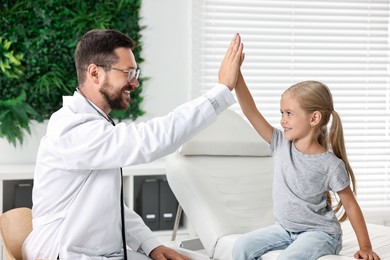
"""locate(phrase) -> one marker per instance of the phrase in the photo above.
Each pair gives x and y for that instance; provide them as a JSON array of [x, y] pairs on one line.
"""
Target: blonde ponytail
[[336, 139]]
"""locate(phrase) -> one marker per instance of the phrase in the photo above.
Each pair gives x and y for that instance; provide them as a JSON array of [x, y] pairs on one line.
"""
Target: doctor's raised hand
[[230, 66], [78, 207]]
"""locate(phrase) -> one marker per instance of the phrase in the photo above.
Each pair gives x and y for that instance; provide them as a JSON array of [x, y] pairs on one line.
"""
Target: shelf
[[26, 171], [16, 172]]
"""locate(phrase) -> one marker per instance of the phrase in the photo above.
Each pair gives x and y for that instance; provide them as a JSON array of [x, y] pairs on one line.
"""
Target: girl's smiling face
[[295, 121]]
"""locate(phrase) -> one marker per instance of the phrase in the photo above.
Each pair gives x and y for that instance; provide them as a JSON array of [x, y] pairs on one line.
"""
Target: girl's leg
[[311, 245], [253, 245]]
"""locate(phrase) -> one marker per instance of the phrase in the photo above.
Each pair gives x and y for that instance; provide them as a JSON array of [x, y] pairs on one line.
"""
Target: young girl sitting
[[309, 163]]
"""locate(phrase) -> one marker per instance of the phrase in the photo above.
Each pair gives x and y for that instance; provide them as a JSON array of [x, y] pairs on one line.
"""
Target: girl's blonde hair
[[316, 96]]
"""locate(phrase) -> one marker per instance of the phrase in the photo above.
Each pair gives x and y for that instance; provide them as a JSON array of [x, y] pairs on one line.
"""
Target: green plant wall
[[37, 43]]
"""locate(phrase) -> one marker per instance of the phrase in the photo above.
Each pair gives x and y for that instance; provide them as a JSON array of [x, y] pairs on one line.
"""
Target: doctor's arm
[[136, 143]]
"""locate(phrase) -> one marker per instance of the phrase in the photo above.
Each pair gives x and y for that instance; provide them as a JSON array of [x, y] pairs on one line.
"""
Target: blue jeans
[[308, 245]]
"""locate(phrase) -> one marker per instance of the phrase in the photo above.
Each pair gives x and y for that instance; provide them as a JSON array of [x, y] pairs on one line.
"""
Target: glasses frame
[[132, 74]]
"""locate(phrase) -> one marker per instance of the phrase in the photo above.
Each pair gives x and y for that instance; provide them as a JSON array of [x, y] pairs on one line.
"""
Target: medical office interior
[[345, 44]]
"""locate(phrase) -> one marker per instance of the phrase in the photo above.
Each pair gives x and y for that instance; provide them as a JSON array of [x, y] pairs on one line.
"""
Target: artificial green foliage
[[10, 63], [14, 117], [38, 40]]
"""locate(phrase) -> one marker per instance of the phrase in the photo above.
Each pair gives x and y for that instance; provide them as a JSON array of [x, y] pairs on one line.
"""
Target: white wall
[[166, 42]]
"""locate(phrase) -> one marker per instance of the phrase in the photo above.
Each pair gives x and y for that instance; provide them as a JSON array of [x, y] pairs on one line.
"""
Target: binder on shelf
[[17, 193], [149, 203], [23, 195], [168, 206], [155, 202]]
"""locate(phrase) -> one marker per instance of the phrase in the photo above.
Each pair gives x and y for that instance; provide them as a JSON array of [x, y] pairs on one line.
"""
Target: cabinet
[[130, 173]]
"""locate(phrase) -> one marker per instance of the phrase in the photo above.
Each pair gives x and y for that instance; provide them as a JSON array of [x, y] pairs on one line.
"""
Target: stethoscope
[[107, 117]]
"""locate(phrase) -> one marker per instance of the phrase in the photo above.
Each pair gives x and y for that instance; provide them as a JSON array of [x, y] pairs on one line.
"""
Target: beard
[[114, 99]]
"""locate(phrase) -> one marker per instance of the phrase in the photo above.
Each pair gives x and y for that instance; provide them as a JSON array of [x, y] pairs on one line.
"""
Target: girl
[[308, 164]]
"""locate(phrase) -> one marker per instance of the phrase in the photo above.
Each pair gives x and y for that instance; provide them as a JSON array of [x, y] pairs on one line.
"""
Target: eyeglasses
[[132, 74]]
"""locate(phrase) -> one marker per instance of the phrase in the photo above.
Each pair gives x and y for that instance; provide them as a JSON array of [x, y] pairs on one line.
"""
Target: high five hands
[[230, 66]]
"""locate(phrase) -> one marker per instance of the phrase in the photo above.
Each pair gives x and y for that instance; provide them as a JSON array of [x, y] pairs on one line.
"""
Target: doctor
[[78, 209]]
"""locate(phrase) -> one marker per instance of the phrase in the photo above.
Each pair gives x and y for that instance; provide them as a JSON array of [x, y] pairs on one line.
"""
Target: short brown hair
[[98, 47]]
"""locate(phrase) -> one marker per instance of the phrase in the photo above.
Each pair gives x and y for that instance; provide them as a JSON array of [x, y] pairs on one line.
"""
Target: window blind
[[342, 43]]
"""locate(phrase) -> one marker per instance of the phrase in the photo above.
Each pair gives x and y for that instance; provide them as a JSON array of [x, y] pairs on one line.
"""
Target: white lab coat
[[76, 195]]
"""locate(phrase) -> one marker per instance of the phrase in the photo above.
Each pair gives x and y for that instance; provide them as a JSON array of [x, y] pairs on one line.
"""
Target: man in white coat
[[78, 212]]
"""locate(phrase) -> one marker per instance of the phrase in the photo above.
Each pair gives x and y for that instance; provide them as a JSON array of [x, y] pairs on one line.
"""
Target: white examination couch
[[222, 179]]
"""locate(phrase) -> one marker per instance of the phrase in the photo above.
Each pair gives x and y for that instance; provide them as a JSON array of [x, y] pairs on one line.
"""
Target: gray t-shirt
[[300, 185]]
